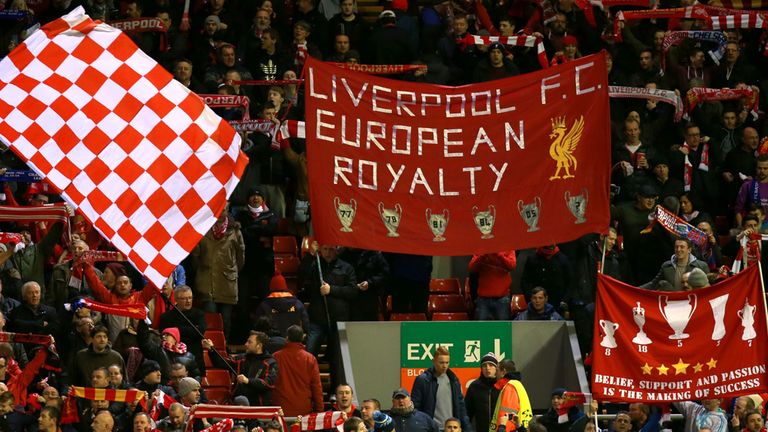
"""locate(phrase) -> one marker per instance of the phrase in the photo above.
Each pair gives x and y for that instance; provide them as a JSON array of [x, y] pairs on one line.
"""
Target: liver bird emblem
[[564, 144]]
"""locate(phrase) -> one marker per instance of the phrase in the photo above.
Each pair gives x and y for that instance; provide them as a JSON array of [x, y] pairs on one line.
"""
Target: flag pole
[[605, 245], [325, 298], [762, 286]]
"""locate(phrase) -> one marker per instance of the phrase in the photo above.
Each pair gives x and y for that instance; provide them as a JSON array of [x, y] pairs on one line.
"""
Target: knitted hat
[[210, 19], [187, 385], [558, 391], [278, 283], [497, 46], [148, 367], [570, 40], [174, 332], [697, 278], [117, 269], [490, 358], [255, 191]]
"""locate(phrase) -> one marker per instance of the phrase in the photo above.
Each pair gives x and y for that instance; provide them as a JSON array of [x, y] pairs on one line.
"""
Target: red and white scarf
[[130, 310], [10, 237], [688, 166], [518, 41], [141, 25], [677, 37], [178, 347], [220, 229], [372, 69], [222, 426], [31, 214], [268, 82], [255, 125], [290, 129], [162, 400], [696, 11], [320, 421], [228, 101], [658, 95], [265, 413], [76, 276], [697, 95], [301, 56]]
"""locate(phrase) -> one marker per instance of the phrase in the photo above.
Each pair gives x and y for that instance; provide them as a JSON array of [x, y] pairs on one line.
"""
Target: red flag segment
[[142, 157]]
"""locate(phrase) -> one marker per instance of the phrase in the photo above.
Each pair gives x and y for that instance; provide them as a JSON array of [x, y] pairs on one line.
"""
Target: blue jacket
[[417, 421], [424, 396]]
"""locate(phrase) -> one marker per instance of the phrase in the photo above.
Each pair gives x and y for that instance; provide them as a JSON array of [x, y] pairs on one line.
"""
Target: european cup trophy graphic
[[530, 213], [484, 221], [346, 213], [577, 205], [747, 315], [437, 223], [678, 313], [391, 218]]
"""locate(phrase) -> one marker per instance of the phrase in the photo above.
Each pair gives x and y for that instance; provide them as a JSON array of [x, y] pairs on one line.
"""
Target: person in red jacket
[[494, 284], [298, 392]]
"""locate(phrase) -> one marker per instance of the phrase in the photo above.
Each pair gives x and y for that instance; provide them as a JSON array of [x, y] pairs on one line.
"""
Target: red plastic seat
[[450, 316], [218, 339], [284, 226], [445, 286], [408, 317], [217, 378], [285, 246], [446, 303], [213, 321], [288, 266], [217, 395]]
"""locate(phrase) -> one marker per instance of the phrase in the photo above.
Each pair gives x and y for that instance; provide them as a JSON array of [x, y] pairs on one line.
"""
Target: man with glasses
[[181, 316]]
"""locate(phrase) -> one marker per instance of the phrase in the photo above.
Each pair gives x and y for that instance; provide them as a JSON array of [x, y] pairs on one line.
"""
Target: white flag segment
[[139, 155]]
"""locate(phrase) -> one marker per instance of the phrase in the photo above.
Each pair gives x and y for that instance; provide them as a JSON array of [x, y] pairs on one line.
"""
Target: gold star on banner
[[662, 369], [680, 367], [711, 363], [646, 369], [697, 367]]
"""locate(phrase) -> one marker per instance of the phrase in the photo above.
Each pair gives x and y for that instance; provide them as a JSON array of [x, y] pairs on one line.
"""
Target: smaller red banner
[[655, 346]]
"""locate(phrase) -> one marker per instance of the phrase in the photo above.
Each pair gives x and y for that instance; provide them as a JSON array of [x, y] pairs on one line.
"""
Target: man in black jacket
[[257, 367], [330, 289], [482, 394], [180, 317]]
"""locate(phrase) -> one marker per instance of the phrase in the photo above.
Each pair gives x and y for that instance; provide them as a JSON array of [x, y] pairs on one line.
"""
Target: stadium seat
[[213, 321], [284, 246], [218, 339], [408, 317], [445, 286], [446, 303], [288, 266], [217, 378], [450, 316], [217, 395], [284, 226]]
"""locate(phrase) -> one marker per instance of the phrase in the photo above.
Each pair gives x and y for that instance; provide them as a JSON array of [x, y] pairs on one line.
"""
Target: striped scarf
[[266, 413], [31, 214], [697, 95], [69, 412], [320, 421], [658, 95], [518, 41], [76, 277]]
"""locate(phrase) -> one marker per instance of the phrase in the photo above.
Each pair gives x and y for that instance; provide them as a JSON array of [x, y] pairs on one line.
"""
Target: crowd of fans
[[710, 169]]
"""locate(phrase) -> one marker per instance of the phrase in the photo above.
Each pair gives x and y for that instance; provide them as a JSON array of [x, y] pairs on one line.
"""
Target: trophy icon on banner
[[346, 213], [391, 218], [678, 313], [747, 315], [577, 205], [484, 220], [530, 213], [638, 314], [718, 313], [438, 223], [609, 328]]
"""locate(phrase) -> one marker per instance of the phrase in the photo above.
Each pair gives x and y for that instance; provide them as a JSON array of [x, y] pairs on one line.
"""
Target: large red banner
[[434, 170], [656, 346]]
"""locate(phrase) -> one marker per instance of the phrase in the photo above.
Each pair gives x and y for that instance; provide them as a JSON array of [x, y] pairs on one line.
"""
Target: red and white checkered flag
[[141, 157]]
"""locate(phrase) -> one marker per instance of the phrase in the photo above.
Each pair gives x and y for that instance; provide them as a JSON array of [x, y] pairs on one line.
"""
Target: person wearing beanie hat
[[694, 279], [482, 393], [666, 185], [170, 350], [150, 379], [282, 307], [189, 391], [497, 65], [552, 420], [218, 258], [683, 261], [258, 224]]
